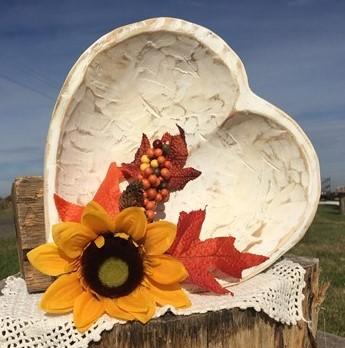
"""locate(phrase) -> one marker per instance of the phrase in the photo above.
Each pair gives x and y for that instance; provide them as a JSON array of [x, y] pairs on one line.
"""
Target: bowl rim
[[247, 102]]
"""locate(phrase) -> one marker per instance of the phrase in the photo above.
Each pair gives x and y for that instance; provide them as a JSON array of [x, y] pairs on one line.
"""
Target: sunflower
[[110, 264]]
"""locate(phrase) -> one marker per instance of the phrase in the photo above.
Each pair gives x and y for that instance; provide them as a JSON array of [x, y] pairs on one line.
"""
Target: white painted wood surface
[[260, 174]]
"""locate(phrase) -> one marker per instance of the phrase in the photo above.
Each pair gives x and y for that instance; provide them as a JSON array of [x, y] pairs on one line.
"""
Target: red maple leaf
[[179, 176], [178, 147], [107, 196], [203, 258]]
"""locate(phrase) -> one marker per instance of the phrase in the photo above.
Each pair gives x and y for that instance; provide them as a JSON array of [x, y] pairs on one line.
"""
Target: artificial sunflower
[[110, 264]]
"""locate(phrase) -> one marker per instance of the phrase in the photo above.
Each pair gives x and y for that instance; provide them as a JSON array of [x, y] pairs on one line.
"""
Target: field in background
[[324, 240], [8, 252]]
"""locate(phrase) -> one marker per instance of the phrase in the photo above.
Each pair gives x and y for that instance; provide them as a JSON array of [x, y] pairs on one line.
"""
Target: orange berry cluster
[[155, 175]]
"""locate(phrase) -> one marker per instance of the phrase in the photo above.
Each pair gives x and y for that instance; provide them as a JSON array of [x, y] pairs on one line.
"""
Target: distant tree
[[5, 202]]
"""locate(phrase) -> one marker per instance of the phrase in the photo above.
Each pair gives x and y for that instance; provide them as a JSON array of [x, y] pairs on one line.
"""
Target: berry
[[167, 164], [158, 152], [151, 193], [164, 192], [159, 197], [139, 177], [152, 179], [146, 184], [165, 199], [157, 183], [150, 153], [165, 173], [144, 159], [154, 163], [143, 166], [157, 144], [166, 148], [150, 205], [161, 160], [147, 172], [162, 185], [150, 214]]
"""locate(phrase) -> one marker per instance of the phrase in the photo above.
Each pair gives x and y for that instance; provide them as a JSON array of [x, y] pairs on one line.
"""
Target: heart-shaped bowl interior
[[260, 177]]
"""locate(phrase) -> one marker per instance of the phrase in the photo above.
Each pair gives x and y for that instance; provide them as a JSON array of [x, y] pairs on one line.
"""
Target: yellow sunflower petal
[[165, 269], [139, 303], [48, 259], [72, 237], [96, 218], [131, 221], [60, 296], [135, 301], [112, 308], [144, 317], [159, 237], [100, 241], [87, 309], [168, 294]]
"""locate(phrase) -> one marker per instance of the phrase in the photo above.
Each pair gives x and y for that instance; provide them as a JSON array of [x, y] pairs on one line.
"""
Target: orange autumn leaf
[[107, 196], [67, 211]]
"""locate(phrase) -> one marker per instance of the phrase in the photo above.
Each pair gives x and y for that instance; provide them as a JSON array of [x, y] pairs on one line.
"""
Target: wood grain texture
[[27, 196], [225, 328]]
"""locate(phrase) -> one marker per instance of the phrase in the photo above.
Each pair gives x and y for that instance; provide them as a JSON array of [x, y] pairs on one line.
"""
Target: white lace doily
[[277, 292]]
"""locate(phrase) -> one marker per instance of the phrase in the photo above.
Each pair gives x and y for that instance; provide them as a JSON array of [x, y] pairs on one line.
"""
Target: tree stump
[[224, 328], [27, 198]]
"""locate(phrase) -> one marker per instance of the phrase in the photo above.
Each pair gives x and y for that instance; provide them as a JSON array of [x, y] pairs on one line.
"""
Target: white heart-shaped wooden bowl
[[260, 174]]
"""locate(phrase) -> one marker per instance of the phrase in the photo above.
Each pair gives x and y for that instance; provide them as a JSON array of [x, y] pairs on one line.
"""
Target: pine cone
[[133, 196]]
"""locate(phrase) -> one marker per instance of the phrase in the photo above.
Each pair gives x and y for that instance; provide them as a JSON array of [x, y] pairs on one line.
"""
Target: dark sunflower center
[[113, 270]]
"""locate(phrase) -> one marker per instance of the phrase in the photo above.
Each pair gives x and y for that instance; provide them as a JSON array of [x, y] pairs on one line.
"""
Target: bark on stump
[[224, 328]]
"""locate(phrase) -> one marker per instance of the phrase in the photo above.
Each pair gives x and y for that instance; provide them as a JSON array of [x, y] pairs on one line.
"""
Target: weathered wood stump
[[225, 328], [27, 198]]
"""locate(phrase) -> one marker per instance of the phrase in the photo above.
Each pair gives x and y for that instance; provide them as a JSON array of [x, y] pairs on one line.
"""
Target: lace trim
[[277, 292]]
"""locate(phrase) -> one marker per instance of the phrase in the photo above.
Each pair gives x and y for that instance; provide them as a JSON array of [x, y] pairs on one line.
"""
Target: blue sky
[[293, 50]]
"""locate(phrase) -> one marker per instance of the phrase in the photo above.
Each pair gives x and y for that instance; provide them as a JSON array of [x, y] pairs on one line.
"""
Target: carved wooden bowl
[[260, 174]]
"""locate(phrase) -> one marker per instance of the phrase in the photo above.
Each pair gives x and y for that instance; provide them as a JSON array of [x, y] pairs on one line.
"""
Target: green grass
[[8, 249], [8, 257], [324, 240], [6, 223]]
